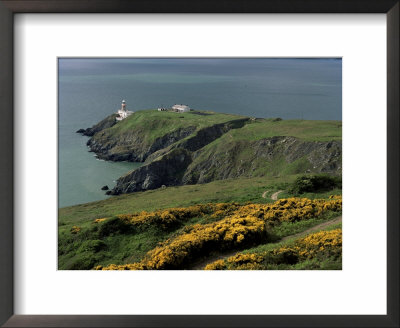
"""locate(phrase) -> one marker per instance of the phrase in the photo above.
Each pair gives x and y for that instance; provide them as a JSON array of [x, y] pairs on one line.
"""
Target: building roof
[[180, 106]]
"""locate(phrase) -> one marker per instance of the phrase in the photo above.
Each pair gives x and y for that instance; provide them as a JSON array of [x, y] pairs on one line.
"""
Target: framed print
[[186, 165]]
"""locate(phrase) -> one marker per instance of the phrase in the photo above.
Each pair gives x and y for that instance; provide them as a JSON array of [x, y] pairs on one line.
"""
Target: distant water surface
[[91, 89]]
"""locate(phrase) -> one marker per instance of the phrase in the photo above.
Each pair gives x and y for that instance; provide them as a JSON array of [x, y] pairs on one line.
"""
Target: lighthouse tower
[[123, 112]]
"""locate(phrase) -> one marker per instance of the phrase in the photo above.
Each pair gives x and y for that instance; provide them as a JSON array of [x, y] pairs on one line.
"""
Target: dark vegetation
[[315, 184]]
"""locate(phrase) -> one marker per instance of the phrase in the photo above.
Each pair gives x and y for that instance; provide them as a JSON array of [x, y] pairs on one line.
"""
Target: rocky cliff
[[270, 156], [132, 145], [169, 166], [167, 170], [188, 150]]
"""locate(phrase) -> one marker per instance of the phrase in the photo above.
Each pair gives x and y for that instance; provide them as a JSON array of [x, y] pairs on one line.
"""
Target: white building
[[123, 113], [181, 108]]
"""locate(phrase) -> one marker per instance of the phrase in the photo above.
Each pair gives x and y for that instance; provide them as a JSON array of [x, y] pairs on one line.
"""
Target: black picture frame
[[10, 7]]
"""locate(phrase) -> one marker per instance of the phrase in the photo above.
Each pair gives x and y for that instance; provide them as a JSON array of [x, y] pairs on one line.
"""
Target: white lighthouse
[[123, 113]]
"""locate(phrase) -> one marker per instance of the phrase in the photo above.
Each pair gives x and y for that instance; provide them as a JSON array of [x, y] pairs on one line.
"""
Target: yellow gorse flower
[[240, 224], [168, 217]]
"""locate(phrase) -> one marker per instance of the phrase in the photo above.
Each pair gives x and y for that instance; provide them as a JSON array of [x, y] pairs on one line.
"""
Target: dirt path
[[264, 195], [314, 228], [199, 265], [274, 196]]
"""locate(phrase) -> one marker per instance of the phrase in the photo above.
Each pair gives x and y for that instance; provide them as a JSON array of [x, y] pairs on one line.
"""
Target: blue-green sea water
[[91, 89]]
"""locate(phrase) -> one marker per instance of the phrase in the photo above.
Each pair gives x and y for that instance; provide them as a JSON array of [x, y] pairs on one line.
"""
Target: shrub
[[172, 217], [113, 226], [216, 265], [315, 183]]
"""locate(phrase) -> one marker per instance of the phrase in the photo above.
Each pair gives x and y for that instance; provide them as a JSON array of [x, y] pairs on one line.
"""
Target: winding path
[[264, 195], [320, 226], [201, 264], [275, 195]]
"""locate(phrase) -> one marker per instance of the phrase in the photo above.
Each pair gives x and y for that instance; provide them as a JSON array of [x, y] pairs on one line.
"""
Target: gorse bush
[[226, 233], [173, 217], [243, 225], [290, 209], [325, 243], [247, 261], [316, 246], [315, 183]]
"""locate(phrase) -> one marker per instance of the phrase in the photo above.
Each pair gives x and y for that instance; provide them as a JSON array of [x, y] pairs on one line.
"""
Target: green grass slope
[[303, 129], [155, 124], [238, 190], [147, 131]]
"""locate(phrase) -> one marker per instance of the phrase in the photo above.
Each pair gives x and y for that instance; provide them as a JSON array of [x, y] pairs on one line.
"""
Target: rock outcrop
[[168, 170], [132, 145], [108, 122]]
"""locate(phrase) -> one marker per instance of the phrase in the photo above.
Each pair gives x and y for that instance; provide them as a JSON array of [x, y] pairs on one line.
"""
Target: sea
[[89, 89]]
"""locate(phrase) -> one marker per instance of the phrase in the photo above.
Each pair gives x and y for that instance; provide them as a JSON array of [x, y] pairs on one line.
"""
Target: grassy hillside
[[232, 190], [299, 146], [198, 231], [238, 190], [155, 124], [83, 243], [145, 132], [302, 129]]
